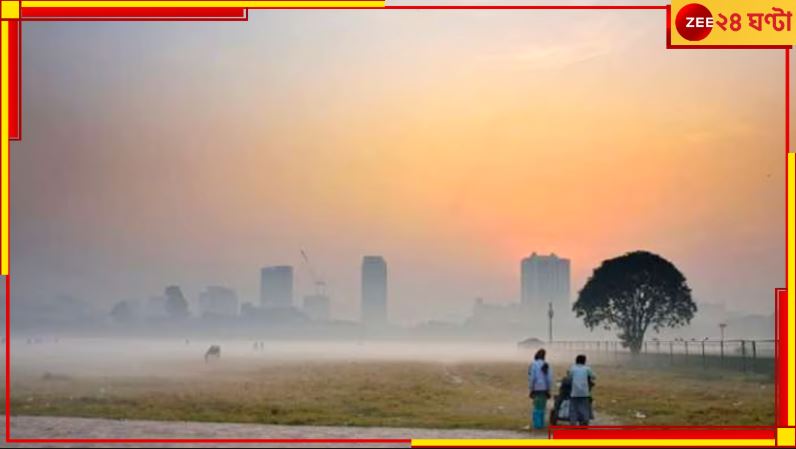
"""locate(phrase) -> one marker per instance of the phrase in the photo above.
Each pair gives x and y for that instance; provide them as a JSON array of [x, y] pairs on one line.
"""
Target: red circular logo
[[694, 22]]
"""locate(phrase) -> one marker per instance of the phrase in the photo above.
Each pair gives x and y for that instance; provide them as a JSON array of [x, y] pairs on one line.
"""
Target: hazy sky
[[453, 143]]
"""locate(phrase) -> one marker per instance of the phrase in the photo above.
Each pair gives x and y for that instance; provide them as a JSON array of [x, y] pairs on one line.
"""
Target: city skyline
[[545, 279], [544, 284], [452, 144]]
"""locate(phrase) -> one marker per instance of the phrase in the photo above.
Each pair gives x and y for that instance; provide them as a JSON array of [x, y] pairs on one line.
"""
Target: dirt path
[[27, 427]]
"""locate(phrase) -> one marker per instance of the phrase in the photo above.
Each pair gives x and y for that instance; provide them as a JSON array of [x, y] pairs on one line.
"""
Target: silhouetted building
[[276, 286], [501, 320], [176, 304], [218, 301], [174, 292], [317, 307], [545, 279], [248, 310], [497, 315], [374, 290]]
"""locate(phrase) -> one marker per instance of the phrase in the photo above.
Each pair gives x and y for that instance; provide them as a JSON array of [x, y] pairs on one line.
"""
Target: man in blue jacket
[[582, 382]]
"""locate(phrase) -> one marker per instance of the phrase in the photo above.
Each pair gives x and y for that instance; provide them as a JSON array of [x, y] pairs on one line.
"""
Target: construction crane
[[320, 284]]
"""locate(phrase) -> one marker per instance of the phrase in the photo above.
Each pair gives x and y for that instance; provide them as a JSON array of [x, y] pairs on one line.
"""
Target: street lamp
[[722, 326]]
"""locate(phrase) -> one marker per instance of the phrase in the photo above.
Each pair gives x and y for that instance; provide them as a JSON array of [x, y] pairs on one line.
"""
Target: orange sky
[[452, 143]]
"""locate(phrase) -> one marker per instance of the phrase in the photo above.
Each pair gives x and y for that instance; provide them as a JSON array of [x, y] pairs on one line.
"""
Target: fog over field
[[382, 384], [176, 357]]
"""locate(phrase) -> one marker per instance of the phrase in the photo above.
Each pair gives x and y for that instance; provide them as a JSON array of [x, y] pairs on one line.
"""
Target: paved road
[[25, 427]]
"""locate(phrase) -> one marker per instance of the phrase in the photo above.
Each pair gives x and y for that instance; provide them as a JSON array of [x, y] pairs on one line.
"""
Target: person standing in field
[[540, 381], [582, 379]]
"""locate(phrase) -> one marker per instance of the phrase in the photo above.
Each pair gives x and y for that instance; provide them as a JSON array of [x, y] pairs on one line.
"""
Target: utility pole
[[550, 322]]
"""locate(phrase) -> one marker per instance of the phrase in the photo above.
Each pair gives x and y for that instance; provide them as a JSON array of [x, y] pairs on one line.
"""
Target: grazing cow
[[214, 352]]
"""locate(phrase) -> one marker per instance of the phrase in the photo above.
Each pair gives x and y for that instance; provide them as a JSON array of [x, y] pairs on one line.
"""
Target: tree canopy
[[633, 293]]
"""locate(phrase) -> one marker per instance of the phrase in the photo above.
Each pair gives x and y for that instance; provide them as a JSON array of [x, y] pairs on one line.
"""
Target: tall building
[[374, 290], [276, 286], [218, 301], [176, 305], [545, 279]]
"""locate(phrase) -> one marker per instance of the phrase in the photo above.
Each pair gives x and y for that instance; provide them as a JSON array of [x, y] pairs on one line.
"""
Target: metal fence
[[741, 355]]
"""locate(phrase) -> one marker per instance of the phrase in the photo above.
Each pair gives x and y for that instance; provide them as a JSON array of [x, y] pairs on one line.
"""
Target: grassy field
[[422, 394]]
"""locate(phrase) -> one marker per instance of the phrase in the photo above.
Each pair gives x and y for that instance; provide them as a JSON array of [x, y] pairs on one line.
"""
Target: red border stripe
[[782, 358], [630, 434], [14, 68], [133, 13], [8, 357]]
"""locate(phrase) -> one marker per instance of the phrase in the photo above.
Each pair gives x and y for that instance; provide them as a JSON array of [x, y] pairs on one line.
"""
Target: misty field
[[475, 394]]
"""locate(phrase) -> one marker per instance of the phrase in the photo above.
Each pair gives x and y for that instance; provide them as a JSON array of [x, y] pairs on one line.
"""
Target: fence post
[[671, 353], [754, 353], [721, 345], [743, 355], [704, 360]]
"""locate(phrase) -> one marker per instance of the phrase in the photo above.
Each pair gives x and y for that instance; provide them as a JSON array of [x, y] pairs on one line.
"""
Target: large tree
[[633, 293]]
